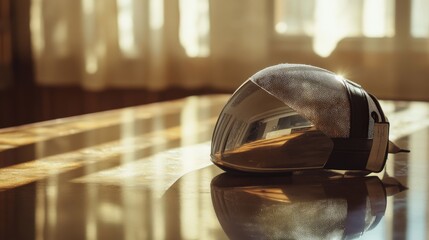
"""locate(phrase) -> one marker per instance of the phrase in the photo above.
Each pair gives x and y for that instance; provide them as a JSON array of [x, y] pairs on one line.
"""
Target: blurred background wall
[[67, 57]]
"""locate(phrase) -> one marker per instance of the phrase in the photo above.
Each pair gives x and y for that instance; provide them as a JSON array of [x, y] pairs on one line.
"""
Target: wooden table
[[145, 173]]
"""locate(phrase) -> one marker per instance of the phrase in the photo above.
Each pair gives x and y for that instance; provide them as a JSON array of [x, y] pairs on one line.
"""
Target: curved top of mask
[[315, 93]]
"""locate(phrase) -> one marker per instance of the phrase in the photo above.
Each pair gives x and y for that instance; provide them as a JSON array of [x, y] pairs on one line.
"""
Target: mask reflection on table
[[327, 206]]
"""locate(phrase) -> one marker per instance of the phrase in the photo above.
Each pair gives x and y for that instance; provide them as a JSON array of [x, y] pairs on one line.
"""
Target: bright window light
[[195, 27]]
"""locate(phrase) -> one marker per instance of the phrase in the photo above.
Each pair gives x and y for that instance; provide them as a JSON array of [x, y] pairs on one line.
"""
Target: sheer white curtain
[[330, 21], [146, 43], [156, 44], [98, 43]]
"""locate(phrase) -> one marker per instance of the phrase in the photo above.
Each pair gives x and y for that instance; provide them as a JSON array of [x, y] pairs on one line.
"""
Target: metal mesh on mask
[[315, 93]]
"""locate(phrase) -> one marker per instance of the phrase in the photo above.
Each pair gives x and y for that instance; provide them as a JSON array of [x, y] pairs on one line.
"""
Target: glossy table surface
[[145, 173]]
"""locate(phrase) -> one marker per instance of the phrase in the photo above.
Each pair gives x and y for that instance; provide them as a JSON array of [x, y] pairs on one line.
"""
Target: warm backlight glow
[[36, 27], [330, 21], [125, 20], [91, 64], [378, 18], [194, 27], [281, 27], [419, 18], [156, 11]]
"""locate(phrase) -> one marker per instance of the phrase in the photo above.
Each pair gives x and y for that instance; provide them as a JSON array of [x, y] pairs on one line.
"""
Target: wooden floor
[[27, 103]]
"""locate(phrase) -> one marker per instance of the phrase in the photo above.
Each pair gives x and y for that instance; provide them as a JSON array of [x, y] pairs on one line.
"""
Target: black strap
[[352, 153], [359, 113], [349, 154]]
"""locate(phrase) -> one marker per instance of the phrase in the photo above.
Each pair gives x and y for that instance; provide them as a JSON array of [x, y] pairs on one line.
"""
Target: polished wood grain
[[145, 173]]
